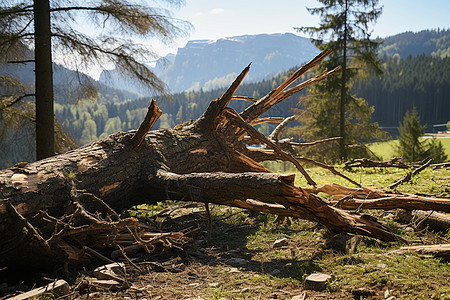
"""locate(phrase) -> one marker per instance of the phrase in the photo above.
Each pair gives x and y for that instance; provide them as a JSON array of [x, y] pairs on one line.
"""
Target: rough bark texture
[[205, 161]]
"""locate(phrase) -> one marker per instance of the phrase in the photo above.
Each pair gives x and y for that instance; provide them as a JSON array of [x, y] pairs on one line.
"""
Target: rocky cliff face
[[210, 64]]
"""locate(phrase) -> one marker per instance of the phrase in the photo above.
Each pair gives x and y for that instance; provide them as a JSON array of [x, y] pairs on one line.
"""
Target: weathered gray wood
[[59, 288]]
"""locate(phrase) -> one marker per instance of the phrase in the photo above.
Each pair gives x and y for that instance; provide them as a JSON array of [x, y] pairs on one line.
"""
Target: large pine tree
[[54, 31], [329, 109]]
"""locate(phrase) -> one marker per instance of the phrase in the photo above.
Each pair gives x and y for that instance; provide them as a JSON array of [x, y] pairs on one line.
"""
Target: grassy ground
[[386, 150], [241, 262]]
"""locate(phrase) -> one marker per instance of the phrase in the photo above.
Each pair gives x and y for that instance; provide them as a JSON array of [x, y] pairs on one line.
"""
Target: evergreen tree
[[410, 147], [329, 109], [54, 31], [436, 151]]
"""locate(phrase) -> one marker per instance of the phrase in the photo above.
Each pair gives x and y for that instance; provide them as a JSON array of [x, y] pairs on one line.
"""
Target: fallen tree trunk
[[420, 219], [207, 161], [370, 198]]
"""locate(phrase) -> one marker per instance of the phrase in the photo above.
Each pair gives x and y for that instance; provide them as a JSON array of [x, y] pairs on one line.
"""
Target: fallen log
[[420, 219], [441, 250], [395, 162], [206, 160], [371, 198]]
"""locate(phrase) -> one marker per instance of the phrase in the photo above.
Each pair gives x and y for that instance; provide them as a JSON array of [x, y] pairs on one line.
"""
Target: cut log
[[205, 161]]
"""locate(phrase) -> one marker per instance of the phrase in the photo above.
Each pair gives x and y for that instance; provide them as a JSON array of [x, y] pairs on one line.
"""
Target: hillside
[[428, 42], [210, 64], [422, 81]]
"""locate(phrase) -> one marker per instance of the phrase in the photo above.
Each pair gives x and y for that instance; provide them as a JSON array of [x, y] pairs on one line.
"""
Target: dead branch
[[267, 120], [276, 132], [367, 163], [409, 175], [315, 142], [150, 119]]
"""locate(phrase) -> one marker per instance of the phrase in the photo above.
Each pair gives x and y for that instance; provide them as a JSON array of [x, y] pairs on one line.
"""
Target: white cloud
[[217, 11]]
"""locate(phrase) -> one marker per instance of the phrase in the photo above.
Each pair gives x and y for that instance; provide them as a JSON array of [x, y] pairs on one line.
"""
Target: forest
[[422, 81]]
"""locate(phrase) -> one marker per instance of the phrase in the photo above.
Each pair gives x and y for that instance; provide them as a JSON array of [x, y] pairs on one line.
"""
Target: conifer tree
[[410, 147], [51, 27], [329, 109]]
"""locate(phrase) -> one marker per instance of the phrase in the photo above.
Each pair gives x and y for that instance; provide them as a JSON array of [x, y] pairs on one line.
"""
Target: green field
[[386, 150]]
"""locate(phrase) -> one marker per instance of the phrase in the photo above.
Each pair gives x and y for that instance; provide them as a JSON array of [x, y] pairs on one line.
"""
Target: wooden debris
[[57, 289], [367, 163], [150, 119], [113, 271], [280, 243], [371, 198], [420, 219], [409, 175], [441, 250]]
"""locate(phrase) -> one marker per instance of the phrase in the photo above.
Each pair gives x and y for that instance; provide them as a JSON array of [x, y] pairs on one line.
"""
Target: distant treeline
[[422, 81]]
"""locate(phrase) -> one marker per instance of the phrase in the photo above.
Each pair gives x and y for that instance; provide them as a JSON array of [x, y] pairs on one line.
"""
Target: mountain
[[210, 64], [428, 42], [67, 83]]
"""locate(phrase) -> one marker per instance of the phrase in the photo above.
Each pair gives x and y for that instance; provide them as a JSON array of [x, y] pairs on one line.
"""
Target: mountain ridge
[[268, 53]]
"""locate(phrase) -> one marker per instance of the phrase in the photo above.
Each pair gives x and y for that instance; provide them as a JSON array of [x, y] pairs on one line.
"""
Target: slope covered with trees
[[428, 42], [422, 81]]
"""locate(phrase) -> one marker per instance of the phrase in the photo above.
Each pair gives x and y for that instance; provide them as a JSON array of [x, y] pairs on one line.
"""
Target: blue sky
[[213, 19]]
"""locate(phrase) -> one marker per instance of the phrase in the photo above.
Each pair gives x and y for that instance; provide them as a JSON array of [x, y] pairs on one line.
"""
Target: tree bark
[[206, 161], [45, 124]]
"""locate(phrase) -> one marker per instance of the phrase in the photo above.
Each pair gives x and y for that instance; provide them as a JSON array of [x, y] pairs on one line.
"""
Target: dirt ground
[[241, 260]]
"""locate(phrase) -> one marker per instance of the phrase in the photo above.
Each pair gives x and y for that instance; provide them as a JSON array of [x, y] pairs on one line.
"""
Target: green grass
[[371, 268], [386, 150]]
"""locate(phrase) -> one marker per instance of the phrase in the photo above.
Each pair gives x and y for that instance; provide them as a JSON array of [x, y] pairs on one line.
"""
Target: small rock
[[214, 284], [194, 284], [235, 261], [382, 266], [363, 293], [280, 243], [337, 242], [275, 272], [316, 281], [387, 293], [299, 297]]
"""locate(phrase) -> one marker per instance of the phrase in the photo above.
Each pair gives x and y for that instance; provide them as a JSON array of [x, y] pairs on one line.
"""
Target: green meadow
[[386, 150]]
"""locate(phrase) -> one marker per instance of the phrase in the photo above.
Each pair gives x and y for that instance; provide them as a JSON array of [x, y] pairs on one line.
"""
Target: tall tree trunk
[[343, 100], [45, 137]]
